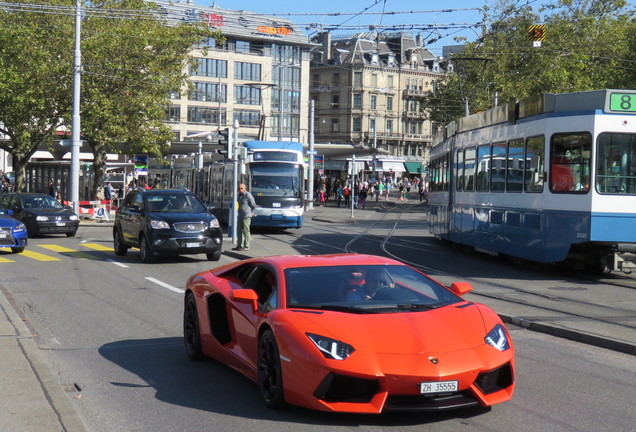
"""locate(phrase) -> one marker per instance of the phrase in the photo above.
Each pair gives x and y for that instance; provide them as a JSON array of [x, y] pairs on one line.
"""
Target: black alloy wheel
[[270, 376], [191, 334], [145, 253], [120, 249], [71, 233], [17, 249]]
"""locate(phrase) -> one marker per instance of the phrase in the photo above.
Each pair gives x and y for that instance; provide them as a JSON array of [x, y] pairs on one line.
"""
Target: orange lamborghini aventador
[[349, 333]]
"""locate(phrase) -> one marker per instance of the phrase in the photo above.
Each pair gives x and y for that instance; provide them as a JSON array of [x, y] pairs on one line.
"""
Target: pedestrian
[[109, 192], [362, 197], [422, 192], [347, 195], [340, 194], [246, 206], [52, 189]]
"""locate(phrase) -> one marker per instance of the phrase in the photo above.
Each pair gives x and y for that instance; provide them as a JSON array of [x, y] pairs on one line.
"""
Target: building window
[[248, 118], [242, 46], [389, 81], [374, 80], [209, 68], [389, 103], [286, 54], [174, 95], [374, 102], [208, 92], [316, 80], [335, 125], [286, 76], [247, 95], [336, 79], [357, 79], [389, 127], [335, 101], [357, 101], [357, 124], [247, 71], [206, 115], [372, 125], [173, 113]]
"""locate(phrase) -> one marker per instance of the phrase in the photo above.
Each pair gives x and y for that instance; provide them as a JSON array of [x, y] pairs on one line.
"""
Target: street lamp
[[207, 135]]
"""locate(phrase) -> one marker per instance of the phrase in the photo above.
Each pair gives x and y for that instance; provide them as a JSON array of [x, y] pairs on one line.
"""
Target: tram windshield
[[276, 179], [616, 164]]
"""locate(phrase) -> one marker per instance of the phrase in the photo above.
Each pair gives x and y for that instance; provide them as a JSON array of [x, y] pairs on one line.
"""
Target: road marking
[[117, 263], [5, 260], [39, 256], [57, 248], [165, 285], [98, 247]]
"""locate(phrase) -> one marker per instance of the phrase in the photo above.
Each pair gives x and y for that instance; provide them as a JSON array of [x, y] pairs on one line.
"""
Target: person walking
[[246, 206], [52, 189]]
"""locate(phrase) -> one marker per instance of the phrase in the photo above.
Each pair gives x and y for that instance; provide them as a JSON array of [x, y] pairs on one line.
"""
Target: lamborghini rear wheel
[[191, 333], [270, 376]]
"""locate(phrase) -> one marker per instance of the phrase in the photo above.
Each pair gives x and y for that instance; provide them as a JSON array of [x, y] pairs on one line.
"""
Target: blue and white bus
[[547, 179]]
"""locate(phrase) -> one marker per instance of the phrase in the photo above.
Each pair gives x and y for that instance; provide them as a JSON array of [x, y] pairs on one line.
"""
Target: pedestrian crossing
[[54, 252]]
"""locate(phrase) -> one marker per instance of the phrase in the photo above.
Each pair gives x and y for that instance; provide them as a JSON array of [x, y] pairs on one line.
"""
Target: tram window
[[535, 157], [616, 164], [483, 167], [514, 179], [446, 171], [469, 169], [460, 170], [498, 167], [570, 162]]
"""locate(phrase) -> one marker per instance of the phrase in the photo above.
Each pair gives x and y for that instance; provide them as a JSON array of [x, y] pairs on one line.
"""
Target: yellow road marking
[[98, 247], [39, 256], [5, 260], [57, 248]]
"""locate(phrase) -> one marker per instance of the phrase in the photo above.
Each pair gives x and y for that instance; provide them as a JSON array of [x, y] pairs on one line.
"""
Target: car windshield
[[40, 202], [176, 202], [364, 289]]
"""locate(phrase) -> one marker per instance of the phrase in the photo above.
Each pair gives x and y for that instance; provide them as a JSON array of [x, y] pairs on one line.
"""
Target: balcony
[[416, 115], [413, 93]]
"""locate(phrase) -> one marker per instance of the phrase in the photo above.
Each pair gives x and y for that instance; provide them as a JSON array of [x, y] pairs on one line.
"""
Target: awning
[[336, 165], [396, 167], [413, 167]]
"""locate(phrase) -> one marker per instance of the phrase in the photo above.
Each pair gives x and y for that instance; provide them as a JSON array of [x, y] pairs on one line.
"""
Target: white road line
[[165, 285], [117, 263]]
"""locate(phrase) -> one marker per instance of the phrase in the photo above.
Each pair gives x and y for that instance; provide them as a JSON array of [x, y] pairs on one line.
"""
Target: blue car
[[13, 233]]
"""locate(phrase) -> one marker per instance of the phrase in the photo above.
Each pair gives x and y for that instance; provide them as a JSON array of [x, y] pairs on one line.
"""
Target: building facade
[[368, 89], [259, 75]]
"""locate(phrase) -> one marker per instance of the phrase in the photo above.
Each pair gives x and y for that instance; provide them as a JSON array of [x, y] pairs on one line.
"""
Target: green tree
[[587, 47], [130, 68], [36, 68]]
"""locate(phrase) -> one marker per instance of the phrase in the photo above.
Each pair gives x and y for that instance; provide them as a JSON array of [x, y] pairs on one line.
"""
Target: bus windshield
[[276, 179]]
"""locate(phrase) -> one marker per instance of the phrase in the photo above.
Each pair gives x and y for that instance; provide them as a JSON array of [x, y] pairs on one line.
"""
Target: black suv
[[166, 221]]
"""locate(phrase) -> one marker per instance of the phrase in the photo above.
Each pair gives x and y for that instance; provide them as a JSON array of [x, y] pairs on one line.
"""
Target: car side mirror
[[210, 209], [9, 212], [134, 208], [461, 288], [245, 296]]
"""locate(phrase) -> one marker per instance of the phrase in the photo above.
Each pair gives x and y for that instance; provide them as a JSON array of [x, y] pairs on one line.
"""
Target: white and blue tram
[[547, 179]]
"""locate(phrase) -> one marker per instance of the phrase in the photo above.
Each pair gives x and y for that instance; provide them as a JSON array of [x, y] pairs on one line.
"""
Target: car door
[[246, 319], [128, 217]]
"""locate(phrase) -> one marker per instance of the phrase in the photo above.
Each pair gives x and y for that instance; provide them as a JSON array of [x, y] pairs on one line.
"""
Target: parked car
[[349, 333], [166, 221], [13, 233], [41, 213]]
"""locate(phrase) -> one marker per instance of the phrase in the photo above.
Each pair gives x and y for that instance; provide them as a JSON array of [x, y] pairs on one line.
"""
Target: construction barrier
[[99, 210]]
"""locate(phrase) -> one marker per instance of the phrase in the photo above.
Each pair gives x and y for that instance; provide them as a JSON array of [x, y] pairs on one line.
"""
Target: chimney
[[326, 47]]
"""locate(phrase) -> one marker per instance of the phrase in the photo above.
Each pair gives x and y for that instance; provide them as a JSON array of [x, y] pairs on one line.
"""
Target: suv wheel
[[145, 252], [214, 256], [120, 249]]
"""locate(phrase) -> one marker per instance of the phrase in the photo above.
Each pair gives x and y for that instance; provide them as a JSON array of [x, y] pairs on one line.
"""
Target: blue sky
[[426, 15]]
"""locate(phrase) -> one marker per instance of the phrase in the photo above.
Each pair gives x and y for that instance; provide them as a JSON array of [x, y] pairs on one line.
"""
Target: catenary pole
[[310, 174], [75, 125]]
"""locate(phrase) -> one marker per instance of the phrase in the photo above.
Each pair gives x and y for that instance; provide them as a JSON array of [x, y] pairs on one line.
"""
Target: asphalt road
[[110, 331]]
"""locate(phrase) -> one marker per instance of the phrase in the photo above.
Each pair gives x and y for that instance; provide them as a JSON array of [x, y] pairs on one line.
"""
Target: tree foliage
[[130, 64], [36, 68], [589, 45]]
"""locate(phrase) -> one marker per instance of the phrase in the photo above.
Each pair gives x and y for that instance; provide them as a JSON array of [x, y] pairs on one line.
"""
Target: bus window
[[498, 167], [616, 163], [570, 162], [535, 156], [514, 180], [460, 170]]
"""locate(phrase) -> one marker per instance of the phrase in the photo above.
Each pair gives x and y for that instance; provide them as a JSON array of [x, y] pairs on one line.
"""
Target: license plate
[[438, 387], [193, 244], [60, 223], [3, 235]]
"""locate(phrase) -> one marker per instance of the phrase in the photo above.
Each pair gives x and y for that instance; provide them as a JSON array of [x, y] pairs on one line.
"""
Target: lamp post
[[205, 135], [261, 86]]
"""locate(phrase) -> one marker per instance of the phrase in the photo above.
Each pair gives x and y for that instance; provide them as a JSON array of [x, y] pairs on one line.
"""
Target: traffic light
[[223, 134]]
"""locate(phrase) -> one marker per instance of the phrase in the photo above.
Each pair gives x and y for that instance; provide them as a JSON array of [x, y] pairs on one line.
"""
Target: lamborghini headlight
[[497, 338], [331, 348]]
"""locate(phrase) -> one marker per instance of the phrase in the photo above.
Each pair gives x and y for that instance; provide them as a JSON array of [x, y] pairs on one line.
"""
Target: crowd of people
[[342, 192]]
